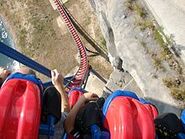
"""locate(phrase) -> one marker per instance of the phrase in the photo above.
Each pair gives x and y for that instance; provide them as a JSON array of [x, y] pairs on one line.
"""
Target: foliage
[[176, 87], [103, 43], [178, 93]]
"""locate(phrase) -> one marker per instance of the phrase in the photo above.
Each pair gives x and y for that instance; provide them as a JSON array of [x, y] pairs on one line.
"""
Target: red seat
[[127, 118], [20, 108], [74, 96]]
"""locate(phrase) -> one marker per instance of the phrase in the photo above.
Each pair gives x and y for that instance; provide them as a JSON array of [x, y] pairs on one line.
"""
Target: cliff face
[[171, 15], [123, 40]]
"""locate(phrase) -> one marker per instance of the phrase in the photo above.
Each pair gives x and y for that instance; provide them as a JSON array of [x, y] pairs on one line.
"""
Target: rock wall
[[120, 35], [171, 16]]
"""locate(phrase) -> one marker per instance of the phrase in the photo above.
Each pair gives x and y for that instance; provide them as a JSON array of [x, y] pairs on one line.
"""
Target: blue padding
[[49, 128], [29, 77], [116, 94], [8, 51], [181, 136], [142, 100], [105, 135], [183, 118], [95, 132], [46, 130], [65, 136]]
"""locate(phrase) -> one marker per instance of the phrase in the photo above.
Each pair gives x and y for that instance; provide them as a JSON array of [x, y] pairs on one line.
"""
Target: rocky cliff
[[123, 40]]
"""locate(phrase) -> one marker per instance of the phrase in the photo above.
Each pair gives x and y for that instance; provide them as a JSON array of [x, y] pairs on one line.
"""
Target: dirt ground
[[83, 13], [34, 27]]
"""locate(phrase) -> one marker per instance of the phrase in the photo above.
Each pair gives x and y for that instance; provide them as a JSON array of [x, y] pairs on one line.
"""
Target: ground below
[[37, 33]]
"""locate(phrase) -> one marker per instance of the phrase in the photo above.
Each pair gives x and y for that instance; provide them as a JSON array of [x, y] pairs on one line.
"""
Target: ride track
[[79, 79], [81, 75], [100, 49]]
